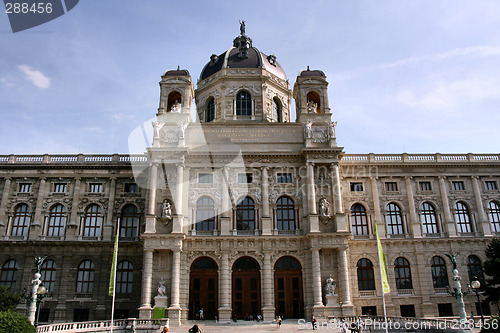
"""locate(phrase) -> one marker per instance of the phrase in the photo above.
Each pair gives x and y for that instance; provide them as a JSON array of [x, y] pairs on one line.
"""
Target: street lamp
[[41, 292], [34, 290], [475, 284]]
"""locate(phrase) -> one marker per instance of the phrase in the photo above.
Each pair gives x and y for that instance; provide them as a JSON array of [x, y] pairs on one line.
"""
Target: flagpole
[[379, 246], [113, 272]]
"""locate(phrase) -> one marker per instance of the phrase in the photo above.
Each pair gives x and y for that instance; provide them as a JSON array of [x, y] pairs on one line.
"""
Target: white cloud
[[7, 83], [121, 116], [450, 94], [34, 76]]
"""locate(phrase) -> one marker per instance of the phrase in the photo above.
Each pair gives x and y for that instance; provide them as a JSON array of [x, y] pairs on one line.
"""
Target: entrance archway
[[203, 291], [246, 288], [288, 293]]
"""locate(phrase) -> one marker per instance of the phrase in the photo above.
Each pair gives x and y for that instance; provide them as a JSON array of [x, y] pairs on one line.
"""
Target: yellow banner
[[383, 264]]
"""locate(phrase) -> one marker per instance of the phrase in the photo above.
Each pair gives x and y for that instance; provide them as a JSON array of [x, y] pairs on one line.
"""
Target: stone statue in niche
[[309, 132], [176, 107], [330, 286], [161, 290], [311, 107], [166, 210], [324, 208], [331, 129], [182, 129], [156, 127]]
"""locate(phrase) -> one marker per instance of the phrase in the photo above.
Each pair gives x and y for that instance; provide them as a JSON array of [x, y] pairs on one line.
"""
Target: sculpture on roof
[[242, 27]]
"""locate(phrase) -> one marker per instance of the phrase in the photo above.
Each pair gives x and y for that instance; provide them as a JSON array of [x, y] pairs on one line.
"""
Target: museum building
[[244, 212]]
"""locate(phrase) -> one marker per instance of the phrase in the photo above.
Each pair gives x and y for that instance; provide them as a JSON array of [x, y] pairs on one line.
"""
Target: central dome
[[242, 55]]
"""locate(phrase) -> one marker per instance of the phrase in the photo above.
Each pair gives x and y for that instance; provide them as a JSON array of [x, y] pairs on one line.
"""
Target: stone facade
[[242, 212]]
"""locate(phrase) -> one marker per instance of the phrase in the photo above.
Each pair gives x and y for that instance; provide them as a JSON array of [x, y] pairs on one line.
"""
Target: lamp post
[[457, 286], [34, 290], [475, 284]]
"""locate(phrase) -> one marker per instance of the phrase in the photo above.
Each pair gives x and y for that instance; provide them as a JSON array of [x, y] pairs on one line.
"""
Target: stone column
[[147, 283], [74, 221], [108, 226], [483, 224], [336, 189], [36, 226], [376, 206], [316, 278], [225, 219], [151, 210], [340, 217], [178, 219], [414, 224], [449, 223], [311, 190], [174, 311], [347, 307], [225, 289], [267, 288], [5, 196], [267, 225], [311, 196]]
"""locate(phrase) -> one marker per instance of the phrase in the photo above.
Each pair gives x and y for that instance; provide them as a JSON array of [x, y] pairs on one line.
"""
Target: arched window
[[174, 101], [475, 269], [9, 273], [48, 274], [428, 218], [276, 110], [394, 219], [313, 102], [287, 263], [129, 221], [245, 214], [124, 277], [494, 214], [204, 264], [285, 213], [359, 220], [85, 277], [402, 273], [57, 221], [21, 221], [462, 217], [366, 278], [243, 104], [439, 273], [205, 214], [210, 113], [93, 221]]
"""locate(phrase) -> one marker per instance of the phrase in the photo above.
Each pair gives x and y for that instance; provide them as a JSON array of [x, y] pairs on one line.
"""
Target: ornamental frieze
[[84, 202], [48, 202], [233, 90], [15, 201]]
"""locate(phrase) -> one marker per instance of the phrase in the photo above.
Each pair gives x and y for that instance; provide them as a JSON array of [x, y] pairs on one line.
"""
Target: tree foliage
[[13, 322], [491, 268], [8, 300]]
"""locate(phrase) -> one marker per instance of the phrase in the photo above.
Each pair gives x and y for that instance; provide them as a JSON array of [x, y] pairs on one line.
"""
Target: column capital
[[409, 177], [43, 178], [7, 178], [474, 177], [113, 179], [441, 177], [373, 177]]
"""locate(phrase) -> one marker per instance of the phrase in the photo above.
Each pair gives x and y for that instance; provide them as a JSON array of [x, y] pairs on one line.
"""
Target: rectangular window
[[25, 187], [407, 310], [491, 185], [130, 188], [391, 186], [284, 177], [245, 178], [205, 178], [445, 310], [458, 186], [95, 187], [356, 187], [60, 187], [425, 186]]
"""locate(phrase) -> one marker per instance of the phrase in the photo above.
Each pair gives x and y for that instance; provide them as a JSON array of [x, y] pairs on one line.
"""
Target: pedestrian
[[315, 323], [279, 321], [165, 329], [201, 314], [195, 329], [343, 326]]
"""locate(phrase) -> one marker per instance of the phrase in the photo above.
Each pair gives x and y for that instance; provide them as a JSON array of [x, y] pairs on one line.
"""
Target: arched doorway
[[246, 288], [288, 288], [203, 292]]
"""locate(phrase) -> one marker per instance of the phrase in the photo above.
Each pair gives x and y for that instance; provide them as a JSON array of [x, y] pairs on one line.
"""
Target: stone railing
[[119, 326], [70, 159], [418, 158]]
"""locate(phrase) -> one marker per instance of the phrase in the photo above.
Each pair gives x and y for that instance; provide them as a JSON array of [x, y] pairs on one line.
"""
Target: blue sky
[[405, 76]]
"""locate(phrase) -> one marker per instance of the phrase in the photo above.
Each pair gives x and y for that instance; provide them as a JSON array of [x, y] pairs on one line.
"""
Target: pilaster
[[449, 223]]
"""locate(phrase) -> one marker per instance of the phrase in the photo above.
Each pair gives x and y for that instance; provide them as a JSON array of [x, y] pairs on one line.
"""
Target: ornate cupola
[[244, 85]]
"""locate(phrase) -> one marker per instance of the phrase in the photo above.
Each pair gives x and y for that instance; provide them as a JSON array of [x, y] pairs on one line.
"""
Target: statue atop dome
[[242, 27]]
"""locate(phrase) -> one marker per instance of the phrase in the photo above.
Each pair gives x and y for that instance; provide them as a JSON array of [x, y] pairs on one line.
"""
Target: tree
[[13, 322], [8, 300], [492, 287]]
